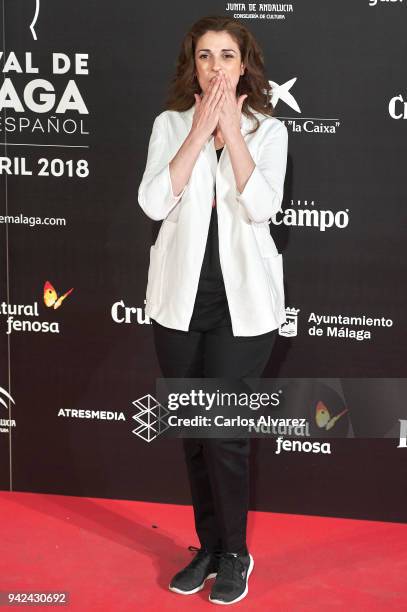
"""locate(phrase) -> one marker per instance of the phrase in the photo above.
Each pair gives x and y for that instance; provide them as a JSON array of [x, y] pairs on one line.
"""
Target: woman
[[215, 176]]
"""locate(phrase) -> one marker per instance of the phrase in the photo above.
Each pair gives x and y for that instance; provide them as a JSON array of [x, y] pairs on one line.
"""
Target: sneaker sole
[[198, 588], [226, 603]]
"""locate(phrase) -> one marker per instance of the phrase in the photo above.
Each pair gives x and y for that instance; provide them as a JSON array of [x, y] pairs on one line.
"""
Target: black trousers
[[218, 469]]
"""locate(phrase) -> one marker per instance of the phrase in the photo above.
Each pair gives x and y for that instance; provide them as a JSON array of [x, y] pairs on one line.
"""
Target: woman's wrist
[[197, 137]]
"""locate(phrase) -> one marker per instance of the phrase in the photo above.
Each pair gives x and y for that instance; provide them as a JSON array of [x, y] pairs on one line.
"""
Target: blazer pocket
[[264, 239], [155, 275], [274, 269], [272, 262]]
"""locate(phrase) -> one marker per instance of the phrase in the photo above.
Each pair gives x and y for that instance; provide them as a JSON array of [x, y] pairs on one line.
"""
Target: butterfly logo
[[51, 297], [323, 417]]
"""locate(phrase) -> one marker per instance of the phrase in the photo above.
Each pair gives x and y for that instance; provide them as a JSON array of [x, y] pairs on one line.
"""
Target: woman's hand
[[231, 110], [207, 109]]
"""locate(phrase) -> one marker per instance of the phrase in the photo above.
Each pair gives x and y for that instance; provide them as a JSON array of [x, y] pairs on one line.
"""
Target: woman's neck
[[219, 142]]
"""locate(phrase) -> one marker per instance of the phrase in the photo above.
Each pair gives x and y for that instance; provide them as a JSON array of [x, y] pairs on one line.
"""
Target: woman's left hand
[[230, 113]]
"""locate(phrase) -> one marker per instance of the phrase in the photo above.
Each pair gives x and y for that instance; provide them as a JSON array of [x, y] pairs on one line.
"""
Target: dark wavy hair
[[253, 82]]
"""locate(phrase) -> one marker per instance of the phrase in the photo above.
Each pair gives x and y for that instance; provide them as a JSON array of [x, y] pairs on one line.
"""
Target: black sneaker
[[192, 578], [231, 583]]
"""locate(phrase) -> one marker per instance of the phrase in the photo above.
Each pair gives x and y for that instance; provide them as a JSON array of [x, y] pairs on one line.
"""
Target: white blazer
[[251, 266]]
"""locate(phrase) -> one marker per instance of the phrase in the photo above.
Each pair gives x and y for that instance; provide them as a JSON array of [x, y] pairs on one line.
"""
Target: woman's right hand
[[207, 108]]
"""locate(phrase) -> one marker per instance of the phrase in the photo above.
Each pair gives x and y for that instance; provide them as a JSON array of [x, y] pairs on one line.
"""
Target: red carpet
[[120, 555]]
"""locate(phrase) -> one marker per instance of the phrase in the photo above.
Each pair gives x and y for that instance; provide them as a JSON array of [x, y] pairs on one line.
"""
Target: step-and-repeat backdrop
[[82, 84]]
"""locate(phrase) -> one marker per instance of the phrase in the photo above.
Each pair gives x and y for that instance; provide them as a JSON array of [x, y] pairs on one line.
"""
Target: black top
[[211, 307]]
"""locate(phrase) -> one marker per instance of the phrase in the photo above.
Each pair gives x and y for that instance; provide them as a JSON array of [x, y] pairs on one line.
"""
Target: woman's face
[[217, 51]]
